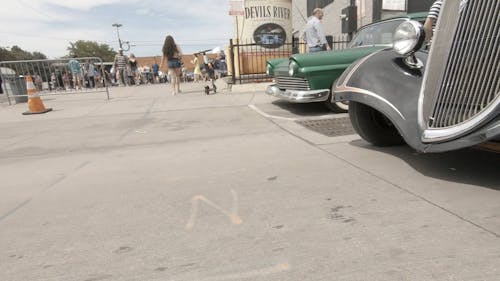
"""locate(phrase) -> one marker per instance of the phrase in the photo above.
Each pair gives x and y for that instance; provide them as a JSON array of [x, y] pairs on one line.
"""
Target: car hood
[[281, 66], [321, 61], [275, 62], [334, 57]]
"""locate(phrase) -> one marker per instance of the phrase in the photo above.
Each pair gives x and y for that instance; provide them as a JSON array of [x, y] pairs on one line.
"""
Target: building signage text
[[256, 12]]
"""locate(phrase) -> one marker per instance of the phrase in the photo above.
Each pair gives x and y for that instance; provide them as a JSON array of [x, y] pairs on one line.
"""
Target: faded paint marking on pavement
[[259, 111], [256, 109], [195, 203]]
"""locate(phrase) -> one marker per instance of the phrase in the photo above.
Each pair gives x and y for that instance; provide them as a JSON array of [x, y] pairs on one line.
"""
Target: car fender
[[384, 82]]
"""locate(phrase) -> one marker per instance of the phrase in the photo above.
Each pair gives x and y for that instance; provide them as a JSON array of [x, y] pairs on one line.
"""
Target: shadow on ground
[[303, 109], [468, 166]]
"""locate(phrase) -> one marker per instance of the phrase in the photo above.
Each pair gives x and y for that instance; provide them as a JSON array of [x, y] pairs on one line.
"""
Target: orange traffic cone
[[35, 104]]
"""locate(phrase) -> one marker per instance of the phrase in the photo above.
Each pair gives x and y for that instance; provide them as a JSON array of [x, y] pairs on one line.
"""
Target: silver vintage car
[[439, 100]]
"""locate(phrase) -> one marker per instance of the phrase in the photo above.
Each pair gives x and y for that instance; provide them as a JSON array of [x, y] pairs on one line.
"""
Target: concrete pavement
[[150, 186]]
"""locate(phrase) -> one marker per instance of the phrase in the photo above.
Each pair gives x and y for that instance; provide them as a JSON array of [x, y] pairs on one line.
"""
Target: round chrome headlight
[[292, 68], [269, 69], [408, 37]]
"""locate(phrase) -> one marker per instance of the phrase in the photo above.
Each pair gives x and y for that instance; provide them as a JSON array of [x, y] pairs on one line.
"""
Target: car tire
[[373, 126], [336, 107]]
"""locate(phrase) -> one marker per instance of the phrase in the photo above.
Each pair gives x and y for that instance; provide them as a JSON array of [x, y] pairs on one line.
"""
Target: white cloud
[[87, 4], [48, 25], [143, 12], [17, 12]]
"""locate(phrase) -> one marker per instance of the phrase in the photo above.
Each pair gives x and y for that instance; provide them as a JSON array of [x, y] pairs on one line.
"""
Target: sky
[[48, 26]]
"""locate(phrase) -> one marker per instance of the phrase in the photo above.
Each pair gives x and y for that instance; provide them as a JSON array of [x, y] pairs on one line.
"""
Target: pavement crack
[[12, 211], [49, 186], [141, 121]]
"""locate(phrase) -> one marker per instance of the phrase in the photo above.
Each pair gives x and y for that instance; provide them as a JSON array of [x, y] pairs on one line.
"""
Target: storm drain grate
[[330, 127]]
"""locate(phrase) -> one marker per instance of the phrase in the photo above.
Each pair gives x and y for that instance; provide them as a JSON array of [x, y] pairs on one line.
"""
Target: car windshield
[[376, 34]]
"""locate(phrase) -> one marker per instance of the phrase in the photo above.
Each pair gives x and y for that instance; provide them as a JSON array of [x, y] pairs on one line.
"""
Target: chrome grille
[[292, 83], [470, 81]]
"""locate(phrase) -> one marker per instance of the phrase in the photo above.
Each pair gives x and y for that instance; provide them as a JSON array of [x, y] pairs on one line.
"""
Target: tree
[[83, 48], [5, 55], [16, 53], [39, 56]]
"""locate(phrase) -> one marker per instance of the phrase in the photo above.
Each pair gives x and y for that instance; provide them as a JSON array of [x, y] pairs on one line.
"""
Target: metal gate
[[54, 77], [248, 59]]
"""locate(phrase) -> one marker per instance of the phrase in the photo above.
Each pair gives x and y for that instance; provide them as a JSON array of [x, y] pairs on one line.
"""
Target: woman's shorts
[[174, 63]]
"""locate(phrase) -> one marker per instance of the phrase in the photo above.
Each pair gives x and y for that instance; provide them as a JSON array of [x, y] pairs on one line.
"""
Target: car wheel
[[373, 126], [336, 107]]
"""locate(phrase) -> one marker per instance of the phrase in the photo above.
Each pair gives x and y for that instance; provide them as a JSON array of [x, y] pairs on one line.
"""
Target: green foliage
[[16, 53], [83, 48]]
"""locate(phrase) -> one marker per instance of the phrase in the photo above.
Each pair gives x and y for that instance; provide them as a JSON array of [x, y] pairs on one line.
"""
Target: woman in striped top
[[430, 22]]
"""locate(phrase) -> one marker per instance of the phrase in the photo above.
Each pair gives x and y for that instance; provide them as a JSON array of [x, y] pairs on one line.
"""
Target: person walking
[[76, 72], [120, 65], [156, 75], [172, 54], [197, 69], [314, 34], [52, 83], [66, 81], [90, 73], [59, 80], [38, 82], [134, 70], [431, 20]]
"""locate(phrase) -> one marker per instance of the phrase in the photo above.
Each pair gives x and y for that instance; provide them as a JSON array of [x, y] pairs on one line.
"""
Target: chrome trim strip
[[292, 83], [370, 46], [494, 127], [342, 89], [298, 96], [436, 135], [355, 67]]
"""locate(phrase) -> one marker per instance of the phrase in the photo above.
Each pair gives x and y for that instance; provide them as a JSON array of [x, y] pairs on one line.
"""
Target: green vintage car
[[305, 78]]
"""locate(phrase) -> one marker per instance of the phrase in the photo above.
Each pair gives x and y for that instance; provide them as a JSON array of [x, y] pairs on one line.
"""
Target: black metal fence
[[247, 61]]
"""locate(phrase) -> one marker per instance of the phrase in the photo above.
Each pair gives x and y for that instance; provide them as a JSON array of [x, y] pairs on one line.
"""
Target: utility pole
[[117, 25], [355, 12], [349, 19], [376, 10]]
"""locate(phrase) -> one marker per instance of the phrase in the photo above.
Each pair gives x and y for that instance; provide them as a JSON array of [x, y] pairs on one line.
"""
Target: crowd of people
[[75, 75], [127, 71]]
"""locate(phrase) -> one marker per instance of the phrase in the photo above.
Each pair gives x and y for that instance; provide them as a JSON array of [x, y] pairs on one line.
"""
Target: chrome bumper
[[298, 96]]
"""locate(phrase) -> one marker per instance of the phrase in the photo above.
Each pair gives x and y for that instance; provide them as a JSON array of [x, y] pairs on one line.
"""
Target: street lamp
[[117, 25]]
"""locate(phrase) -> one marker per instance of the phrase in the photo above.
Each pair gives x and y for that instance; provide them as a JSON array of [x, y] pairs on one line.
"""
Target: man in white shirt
[[314, 34]]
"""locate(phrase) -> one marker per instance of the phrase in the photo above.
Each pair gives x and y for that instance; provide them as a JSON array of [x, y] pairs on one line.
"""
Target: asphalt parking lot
[[233, 186]]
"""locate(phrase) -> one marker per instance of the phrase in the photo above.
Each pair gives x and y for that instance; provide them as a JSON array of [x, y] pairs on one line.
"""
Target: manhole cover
[[330, 127]]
